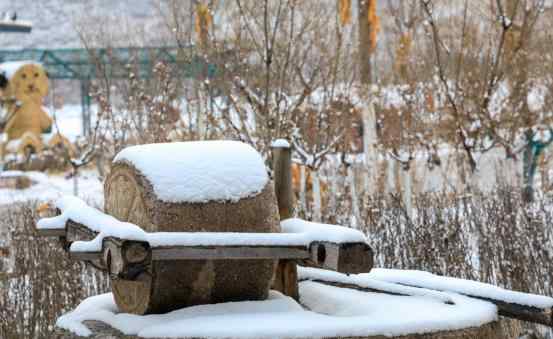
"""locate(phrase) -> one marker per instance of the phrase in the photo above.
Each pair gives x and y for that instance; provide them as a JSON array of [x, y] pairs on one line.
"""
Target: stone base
[[488, 331]]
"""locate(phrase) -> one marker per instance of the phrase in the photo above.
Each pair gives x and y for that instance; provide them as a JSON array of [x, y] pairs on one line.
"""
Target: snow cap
[[280, 143], [199, 171]]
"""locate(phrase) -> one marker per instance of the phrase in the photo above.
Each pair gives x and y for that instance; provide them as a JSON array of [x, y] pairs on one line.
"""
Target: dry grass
[[491, 237], [43, 283]]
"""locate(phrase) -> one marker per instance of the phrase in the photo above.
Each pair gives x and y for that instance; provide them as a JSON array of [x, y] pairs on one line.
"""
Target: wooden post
[[282, 171], [286, 275]]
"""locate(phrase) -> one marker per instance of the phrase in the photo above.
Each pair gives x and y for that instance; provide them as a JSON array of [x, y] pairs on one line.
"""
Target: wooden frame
[[340, 257]]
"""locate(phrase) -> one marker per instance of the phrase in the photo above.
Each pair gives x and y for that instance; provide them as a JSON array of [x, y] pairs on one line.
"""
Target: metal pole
[[85, 106]]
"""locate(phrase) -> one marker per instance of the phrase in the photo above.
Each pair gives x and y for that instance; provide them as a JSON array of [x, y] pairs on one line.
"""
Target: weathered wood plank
[[78, 232], [85, 256], [135, 252], [522, 312], [343, 258], [51, 232], [229, 252], [286, 279]]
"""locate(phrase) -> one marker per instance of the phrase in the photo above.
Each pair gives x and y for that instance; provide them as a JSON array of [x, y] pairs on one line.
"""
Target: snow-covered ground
[[68, 120], [51, 187], [329, 311]]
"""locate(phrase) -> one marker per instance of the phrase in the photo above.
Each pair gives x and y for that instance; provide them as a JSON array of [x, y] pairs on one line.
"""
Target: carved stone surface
[[488, 331]]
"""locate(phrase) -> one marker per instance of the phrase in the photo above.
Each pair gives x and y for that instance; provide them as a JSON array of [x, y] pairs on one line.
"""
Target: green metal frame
[[87, 64]]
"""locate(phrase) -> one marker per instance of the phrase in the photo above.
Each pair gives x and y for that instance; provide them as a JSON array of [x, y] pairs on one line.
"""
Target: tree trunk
[[200, 119], [461, 182], [544, 171], [354, 199], [364, 47], [370, 140], [406, 190], [316, 196], [331, 209], [303, 185], [76, 181], [527, 178]]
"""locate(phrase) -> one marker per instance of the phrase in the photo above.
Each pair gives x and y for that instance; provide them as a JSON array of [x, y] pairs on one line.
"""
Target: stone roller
[[130, 195]]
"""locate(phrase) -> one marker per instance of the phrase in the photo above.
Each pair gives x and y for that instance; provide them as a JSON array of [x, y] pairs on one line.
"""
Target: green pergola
[[87, 64]]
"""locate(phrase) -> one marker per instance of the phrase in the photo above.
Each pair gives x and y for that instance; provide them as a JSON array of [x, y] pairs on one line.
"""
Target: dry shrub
[[492, 237], [42, 283]]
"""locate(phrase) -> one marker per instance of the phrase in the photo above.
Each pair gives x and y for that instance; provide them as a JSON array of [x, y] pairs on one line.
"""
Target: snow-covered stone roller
[[211, 186]]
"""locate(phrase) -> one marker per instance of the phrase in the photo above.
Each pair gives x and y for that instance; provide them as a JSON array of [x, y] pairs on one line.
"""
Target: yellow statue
[[23, 120], [23, 86]]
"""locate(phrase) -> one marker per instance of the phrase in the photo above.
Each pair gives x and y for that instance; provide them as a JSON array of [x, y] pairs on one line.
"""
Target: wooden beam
[[343, 257], [523, 312], [51, 232], [198, 252], [135, 252], [85, 256], [229, 252], [286, 279], [78, 232]]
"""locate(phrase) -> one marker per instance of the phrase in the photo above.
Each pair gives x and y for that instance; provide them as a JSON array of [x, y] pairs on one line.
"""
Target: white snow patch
[[322, 232], [308, 273], [199, 171], [461, 286], [78, 211], [9, 68], [335, 312], [361, 314], [295, 232], [281, 143], [11, 174], [52, 187]]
